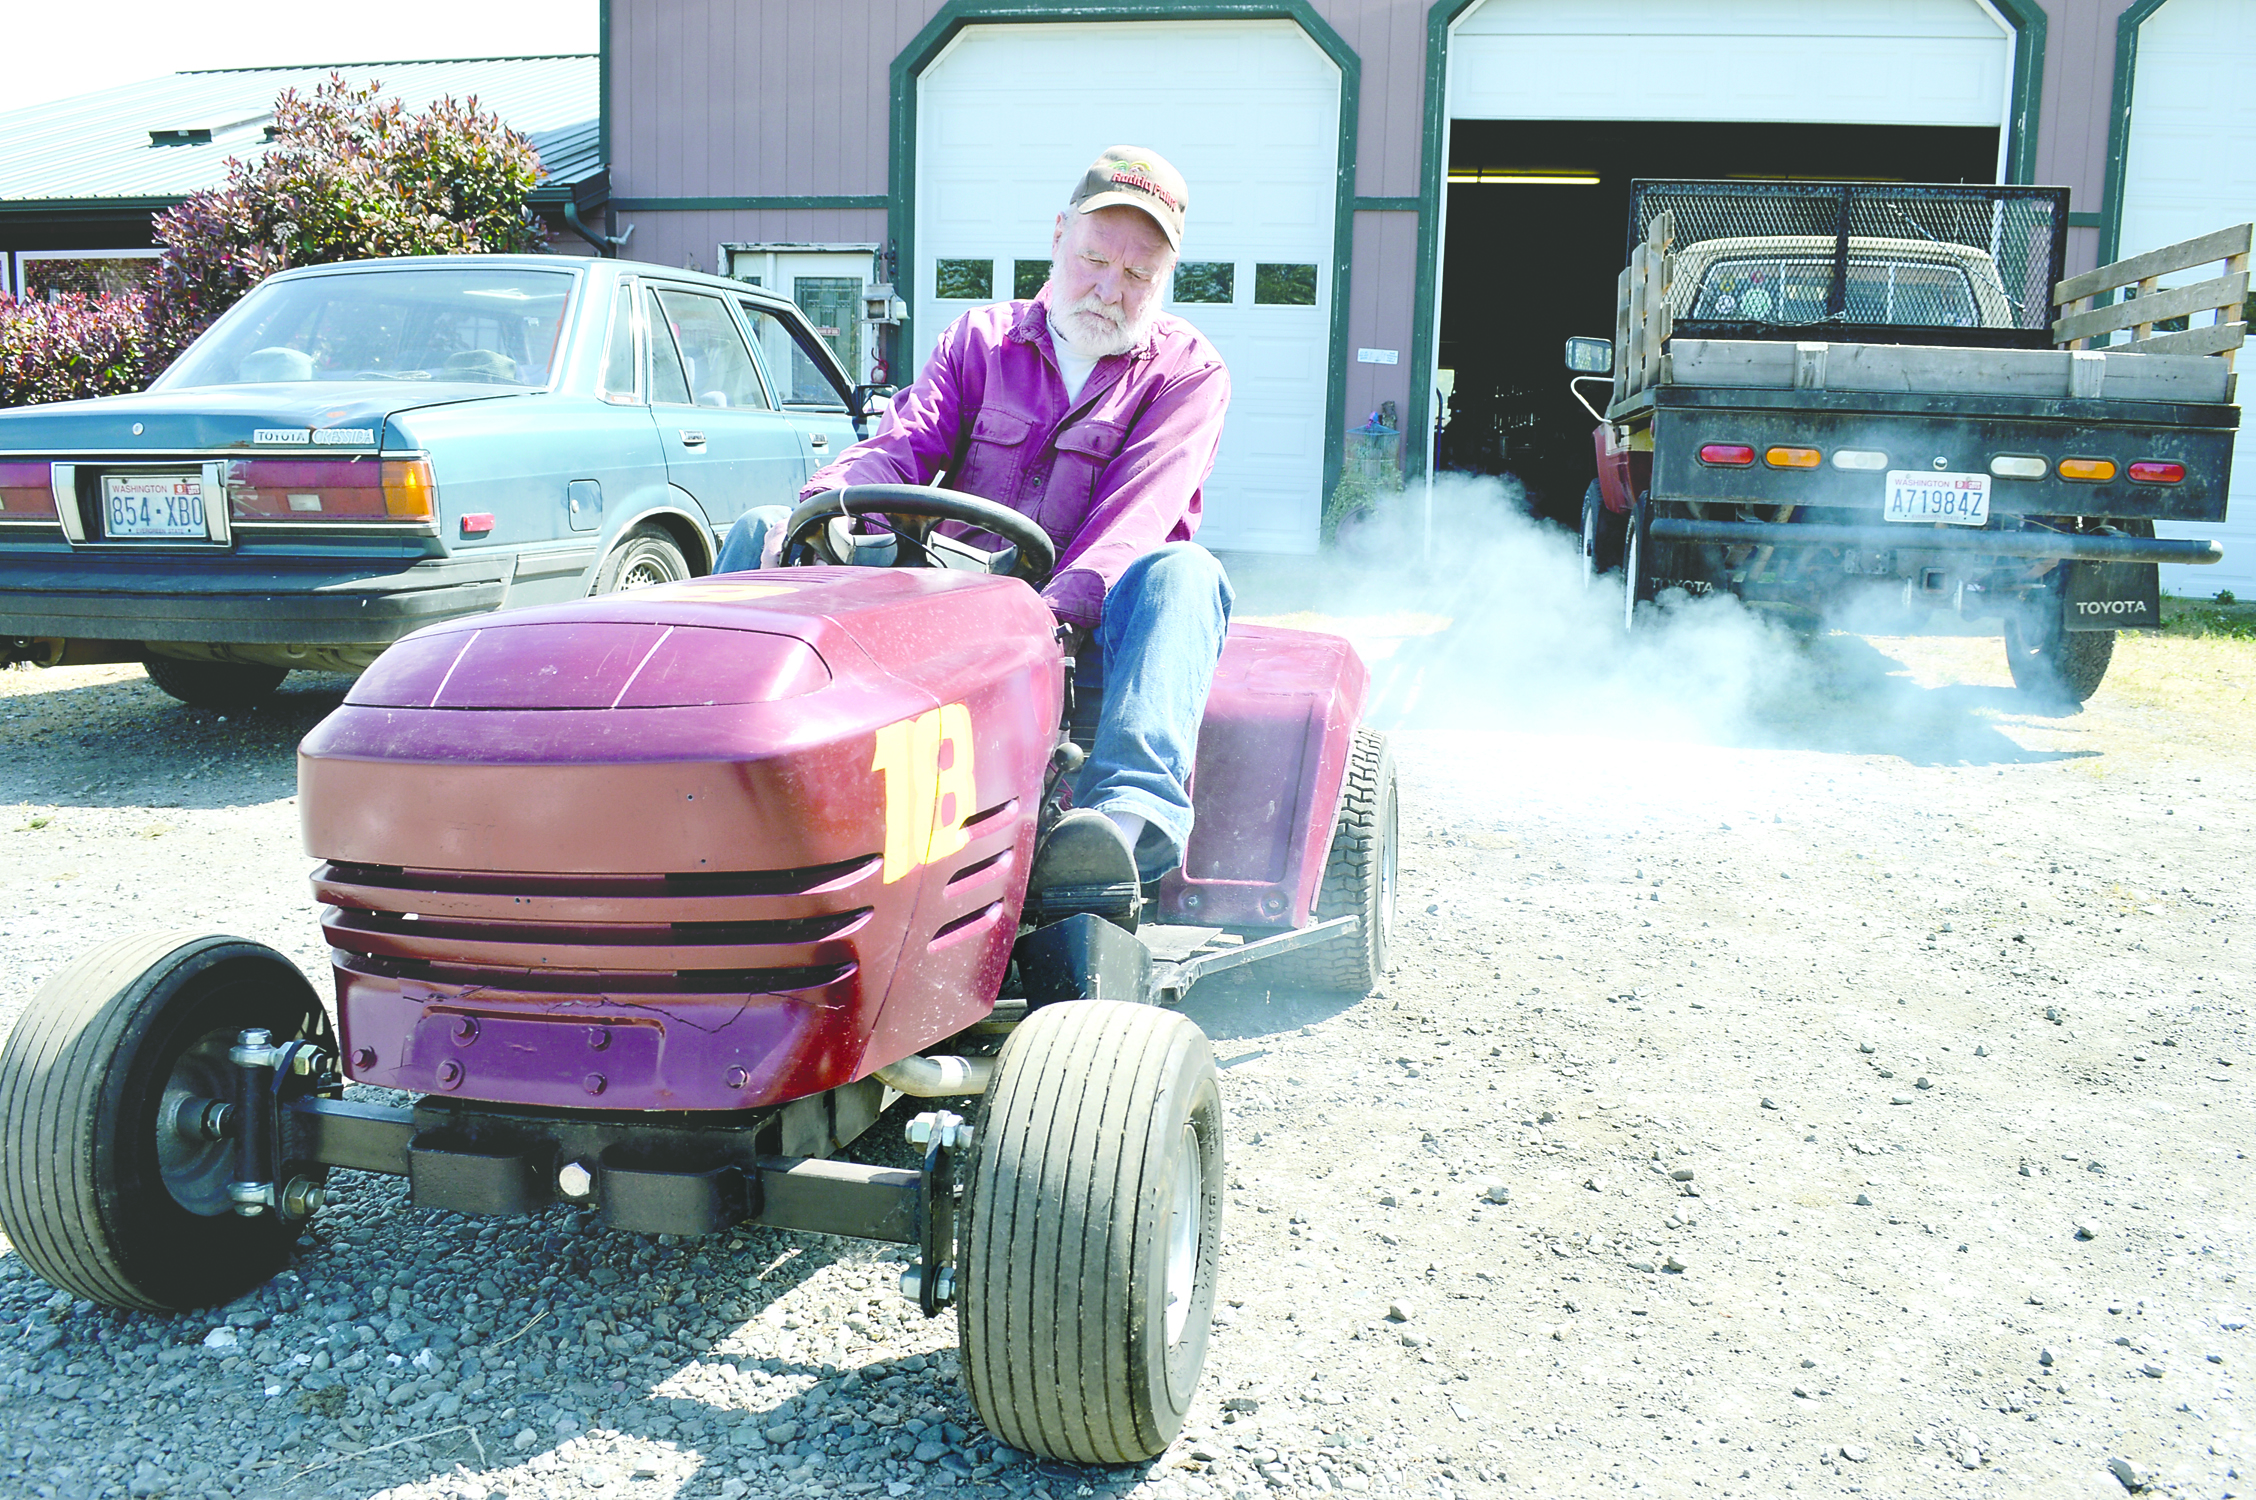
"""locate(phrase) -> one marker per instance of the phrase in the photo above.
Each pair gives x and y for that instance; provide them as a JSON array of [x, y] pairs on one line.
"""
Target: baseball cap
[[1134, 177]]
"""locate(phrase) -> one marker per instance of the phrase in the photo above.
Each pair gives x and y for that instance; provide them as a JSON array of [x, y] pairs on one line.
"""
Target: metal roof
[[101, 145]]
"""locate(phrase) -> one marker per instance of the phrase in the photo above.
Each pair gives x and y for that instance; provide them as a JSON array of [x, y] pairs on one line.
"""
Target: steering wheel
[[816, 531]]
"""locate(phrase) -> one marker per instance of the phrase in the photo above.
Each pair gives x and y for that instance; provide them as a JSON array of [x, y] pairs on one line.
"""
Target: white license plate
[[1955, 499], [162, 505]]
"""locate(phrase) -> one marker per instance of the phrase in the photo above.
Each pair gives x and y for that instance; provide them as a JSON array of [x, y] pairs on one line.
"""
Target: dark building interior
[[1526, 266]]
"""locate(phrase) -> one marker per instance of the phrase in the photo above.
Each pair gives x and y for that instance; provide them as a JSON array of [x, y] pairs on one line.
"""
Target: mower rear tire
[[1359, 880], [224, 685], [1091, 1231], [106, 1189]]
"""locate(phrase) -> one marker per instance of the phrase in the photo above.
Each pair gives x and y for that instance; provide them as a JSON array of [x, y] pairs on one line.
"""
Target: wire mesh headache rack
[[1892, 262]]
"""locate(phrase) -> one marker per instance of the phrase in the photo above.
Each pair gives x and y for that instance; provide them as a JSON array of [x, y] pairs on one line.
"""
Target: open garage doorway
[[1533, 247]]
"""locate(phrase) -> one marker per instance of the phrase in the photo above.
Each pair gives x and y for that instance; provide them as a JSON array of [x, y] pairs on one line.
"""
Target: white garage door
[[2191, 168], [1874, 62], [1009, 117]]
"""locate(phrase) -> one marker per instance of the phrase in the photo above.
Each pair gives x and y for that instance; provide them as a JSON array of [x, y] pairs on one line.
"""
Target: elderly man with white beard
[[1097, 414]]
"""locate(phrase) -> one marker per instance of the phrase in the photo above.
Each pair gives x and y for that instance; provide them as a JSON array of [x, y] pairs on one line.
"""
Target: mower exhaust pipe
[[938, 1077]]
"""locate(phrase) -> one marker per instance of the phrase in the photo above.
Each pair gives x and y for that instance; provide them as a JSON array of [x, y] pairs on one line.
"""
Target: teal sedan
[[357, 450]]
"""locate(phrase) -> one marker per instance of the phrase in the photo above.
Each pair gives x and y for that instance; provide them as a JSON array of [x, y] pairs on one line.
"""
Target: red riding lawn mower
[[657, 900]]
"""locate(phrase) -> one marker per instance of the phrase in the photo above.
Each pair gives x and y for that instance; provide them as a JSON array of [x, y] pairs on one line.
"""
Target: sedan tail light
[[335, 489], [26, 492], [2154, 471]]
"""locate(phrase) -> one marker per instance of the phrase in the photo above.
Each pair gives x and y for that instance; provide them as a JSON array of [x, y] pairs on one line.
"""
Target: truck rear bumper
[[1970, 541], [1956, 433]]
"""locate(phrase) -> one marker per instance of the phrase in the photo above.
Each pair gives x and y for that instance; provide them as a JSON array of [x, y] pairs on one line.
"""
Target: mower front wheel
[[1091, 1230], [112, 1187]]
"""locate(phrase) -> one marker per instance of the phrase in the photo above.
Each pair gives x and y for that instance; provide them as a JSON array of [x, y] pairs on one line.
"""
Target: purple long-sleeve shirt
[[1110, 475]]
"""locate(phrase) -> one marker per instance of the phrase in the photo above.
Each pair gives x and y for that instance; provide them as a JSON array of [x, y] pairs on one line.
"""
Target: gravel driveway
[[1836, 1087]]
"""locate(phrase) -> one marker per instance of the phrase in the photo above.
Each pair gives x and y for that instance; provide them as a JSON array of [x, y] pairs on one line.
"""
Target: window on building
[[47, 274], [964, 280], [1284, 284], [1205, 281]]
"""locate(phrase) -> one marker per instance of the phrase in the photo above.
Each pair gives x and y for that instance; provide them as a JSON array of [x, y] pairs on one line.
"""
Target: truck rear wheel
[[1637, 563], [2049, 661], [1091, 1231], [214, 684], [1603, 534], [111, 1186]]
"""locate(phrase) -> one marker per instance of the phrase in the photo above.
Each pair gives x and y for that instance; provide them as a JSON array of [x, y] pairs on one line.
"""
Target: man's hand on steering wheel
[[913, 510]]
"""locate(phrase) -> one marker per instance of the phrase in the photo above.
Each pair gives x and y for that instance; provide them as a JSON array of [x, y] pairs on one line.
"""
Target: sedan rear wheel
[[645, 557]]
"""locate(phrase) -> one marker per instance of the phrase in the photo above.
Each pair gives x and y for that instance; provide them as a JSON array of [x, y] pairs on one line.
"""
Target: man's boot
[[1085, 865]]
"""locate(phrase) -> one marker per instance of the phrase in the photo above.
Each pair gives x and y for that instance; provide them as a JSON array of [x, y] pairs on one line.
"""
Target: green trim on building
[[603, 82], [773, 200], [2119, 126], [2087, 221], [2029, 25], [953, 16], [1387, 205]]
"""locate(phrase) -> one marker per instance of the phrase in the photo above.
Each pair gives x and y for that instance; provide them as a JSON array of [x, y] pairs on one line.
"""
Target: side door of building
[[793, 353], [727, 445]]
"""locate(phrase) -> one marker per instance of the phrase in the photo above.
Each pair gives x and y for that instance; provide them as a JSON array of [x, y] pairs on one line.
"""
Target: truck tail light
[[1792, 458], [2091, 470], [1729, 455], [1859, 458], [2018, 466], [2154, 471], [330, 489], [26, 492]]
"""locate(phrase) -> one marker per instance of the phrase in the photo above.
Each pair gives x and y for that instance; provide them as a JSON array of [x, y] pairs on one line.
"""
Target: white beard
[[1093, 330]]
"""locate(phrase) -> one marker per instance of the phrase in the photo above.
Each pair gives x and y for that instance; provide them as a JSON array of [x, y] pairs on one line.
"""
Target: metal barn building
[[1383, 190]]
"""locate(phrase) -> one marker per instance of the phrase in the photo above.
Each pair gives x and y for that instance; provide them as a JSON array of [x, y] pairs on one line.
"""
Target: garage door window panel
[[964, 280], [1027, 277], [1284, 284], [713, 354], [1205, 281]]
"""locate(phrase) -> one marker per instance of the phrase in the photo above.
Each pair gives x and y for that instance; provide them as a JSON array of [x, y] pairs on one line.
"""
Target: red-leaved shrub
[[349, 175], [71, 346]]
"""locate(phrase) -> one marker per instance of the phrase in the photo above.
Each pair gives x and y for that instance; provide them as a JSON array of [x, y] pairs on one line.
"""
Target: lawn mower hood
[[657, 819]]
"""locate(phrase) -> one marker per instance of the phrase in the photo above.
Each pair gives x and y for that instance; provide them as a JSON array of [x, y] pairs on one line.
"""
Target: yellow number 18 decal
[[928, 787]]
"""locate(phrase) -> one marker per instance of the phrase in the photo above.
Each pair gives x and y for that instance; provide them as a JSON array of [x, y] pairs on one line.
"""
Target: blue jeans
[[1142, 681]]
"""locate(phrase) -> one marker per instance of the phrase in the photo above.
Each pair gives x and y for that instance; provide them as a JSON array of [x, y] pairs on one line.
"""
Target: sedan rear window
[[490, 327]]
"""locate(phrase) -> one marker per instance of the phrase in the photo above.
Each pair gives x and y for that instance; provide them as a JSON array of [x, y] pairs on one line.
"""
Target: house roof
[[167, 137]]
